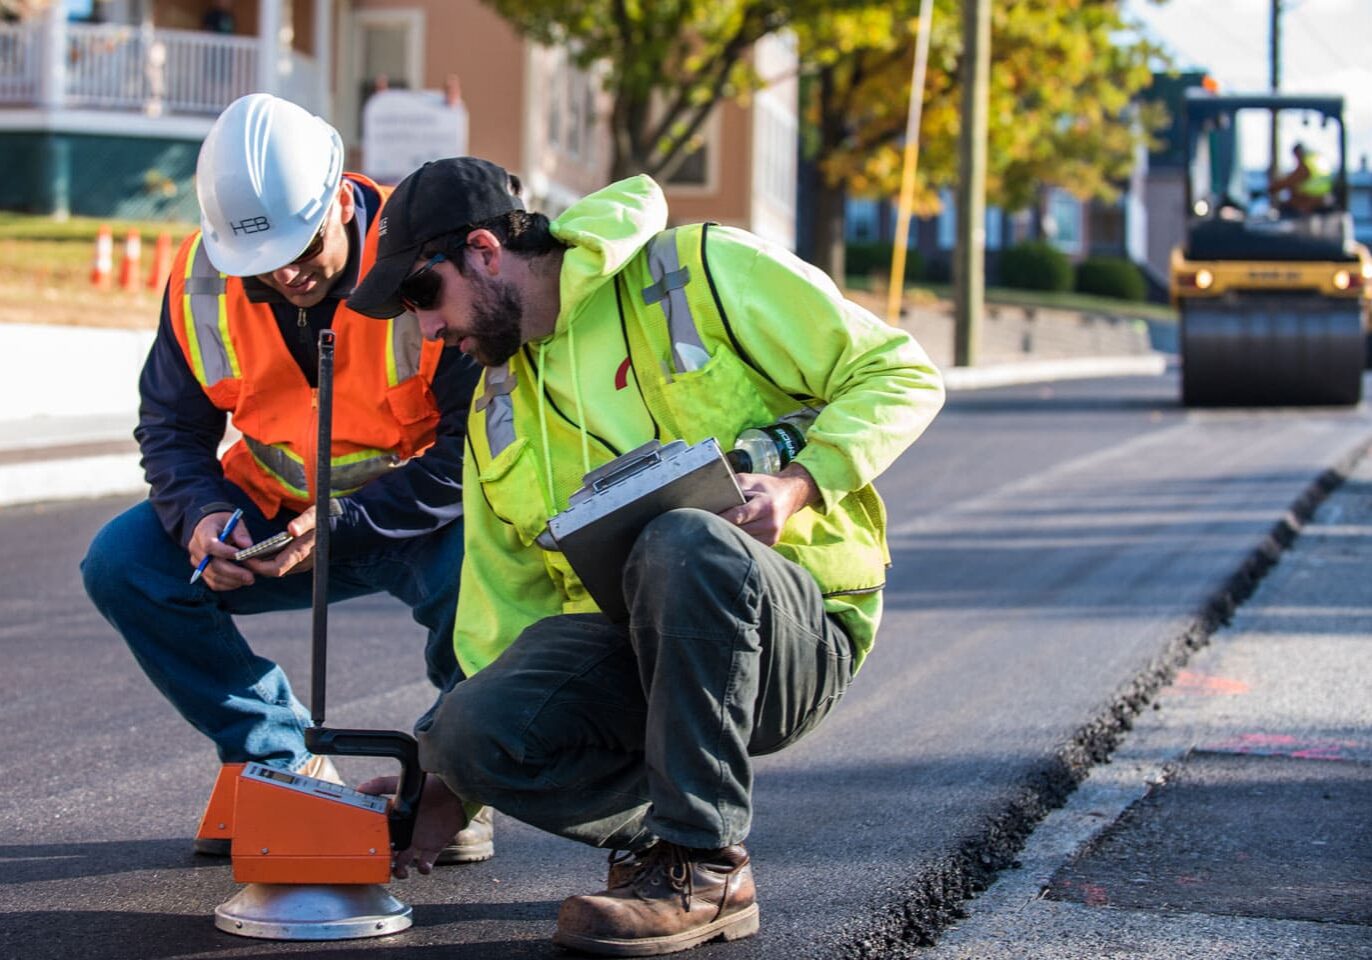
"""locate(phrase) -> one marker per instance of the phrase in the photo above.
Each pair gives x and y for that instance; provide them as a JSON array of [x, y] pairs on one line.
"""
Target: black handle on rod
[[323, 483], [380, 743]]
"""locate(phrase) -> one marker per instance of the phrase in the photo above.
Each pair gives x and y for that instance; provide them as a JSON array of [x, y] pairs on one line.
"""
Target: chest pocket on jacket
[[720, 386], [713, 398], [512, 485]]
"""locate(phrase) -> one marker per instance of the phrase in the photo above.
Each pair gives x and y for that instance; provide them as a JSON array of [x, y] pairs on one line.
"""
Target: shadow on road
[[1048, 399], [66, 861], [119, 935], [125, 935]]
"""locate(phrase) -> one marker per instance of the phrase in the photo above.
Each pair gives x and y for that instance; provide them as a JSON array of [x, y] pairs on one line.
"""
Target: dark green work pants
[[616, 734]]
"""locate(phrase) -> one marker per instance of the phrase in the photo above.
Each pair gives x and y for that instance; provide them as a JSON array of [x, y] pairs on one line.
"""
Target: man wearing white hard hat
[[285, 236]]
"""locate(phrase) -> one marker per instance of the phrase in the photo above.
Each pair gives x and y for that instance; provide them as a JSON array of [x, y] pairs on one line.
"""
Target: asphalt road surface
[[1055, 547]]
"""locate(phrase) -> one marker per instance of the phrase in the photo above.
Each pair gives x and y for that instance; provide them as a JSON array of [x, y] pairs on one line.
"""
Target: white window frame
[[1072, 243], [571, 97], [710, 133], [412, 19]]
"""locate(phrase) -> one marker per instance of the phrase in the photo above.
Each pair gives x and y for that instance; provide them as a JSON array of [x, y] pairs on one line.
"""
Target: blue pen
[[223, 535]]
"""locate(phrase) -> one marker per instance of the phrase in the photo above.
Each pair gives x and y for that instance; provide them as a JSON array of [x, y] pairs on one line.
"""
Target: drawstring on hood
[[603, 231], [543, 416]]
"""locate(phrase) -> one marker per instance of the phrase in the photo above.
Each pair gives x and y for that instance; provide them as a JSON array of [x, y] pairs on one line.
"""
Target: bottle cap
[[739, 461]]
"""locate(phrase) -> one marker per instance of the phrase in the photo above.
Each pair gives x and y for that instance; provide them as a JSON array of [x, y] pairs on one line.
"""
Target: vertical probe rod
[[322, 485]]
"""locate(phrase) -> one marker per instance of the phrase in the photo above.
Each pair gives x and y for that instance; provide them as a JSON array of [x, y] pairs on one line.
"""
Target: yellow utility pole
[[896, 291]]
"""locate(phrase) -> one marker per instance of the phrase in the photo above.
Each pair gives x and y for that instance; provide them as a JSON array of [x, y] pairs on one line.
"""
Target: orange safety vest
[[384, 411]]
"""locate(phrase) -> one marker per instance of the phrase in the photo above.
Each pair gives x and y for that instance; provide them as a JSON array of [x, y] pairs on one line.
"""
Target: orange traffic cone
[[128, 266], [104, 257], [161, 262]]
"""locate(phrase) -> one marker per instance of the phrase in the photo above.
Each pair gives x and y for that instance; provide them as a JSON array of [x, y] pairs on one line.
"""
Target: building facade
[[103, 105]]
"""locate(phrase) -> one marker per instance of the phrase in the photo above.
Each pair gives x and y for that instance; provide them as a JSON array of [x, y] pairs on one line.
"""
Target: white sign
[[403, 129]]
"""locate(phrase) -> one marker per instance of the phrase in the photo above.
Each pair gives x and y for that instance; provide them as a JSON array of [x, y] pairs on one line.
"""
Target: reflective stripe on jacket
[[384, 410]]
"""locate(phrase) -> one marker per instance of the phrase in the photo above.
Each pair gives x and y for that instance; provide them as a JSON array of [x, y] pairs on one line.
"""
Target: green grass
[[21, 226], [1081, 302], [43, 251], [46, 251]]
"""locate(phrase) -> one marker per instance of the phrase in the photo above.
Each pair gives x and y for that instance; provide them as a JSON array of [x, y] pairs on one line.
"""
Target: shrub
[[1111, 277], [1036, 265], [938, 271], [864, 259]]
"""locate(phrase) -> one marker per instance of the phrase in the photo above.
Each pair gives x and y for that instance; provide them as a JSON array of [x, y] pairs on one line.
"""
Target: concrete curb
[[1038, 371], [68, 406], [76, 478], [53, 371]]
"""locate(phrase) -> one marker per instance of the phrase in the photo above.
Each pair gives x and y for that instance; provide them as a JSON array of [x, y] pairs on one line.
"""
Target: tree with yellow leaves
[[1063, 80], [669, 62], [1063, 107]]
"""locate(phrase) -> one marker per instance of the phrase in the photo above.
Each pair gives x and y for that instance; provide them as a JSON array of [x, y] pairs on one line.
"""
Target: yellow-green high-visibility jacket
[[1320, 181], [694, 332]]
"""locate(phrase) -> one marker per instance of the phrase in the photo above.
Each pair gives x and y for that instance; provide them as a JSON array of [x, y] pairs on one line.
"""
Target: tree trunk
[[830, 198], [627, 117], [829, 244]]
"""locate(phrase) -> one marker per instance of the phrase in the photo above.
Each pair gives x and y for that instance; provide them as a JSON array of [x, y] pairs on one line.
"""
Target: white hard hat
[[267, 174]]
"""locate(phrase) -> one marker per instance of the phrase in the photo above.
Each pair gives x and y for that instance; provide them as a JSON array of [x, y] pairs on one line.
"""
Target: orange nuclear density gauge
[[289, 828]]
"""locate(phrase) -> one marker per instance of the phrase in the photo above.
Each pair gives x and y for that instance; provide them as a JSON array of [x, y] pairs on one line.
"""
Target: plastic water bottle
[[769, 449]]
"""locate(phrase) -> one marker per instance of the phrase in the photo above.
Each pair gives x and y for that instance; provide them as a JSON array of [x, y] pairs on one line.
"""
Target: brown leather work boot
[[624, 866], [677, 898], [473, 843]]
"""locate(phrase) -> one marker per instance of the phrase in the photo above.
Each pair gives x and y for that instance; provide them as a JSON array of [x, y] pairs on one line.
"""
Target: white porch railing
[[152, 71], [177, 71], [205, 72], [19, 63]]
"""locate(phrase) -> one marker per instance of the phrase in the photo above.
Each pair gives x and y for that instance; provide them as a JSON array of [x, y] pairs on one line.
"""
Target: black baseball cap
[[443, 196]]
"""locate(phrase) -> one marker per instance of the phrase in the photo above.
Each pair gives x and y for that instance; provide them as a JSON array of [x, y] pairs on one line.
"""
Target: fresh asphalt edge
[[913, 915]]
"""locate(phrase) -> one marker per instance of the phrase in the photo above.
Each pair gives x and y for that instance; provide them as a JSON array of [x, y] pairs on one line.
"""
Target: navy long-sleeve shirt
[[179, 429]]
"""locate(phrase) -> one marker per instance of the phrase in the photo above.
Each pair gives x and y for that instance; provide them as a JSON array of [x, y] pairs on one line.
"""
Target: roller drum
[[1272, 351]]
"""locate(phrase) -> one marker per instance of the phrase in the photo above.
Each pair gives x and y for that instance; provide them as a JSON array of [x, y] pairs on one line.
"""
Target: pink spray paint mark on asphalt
[[1190, 682], [1287, 745]]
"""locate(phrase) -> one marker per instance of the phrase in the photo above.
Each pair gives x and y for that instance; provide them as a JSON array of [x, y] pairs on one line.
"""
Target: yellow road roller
[[1274, 296]]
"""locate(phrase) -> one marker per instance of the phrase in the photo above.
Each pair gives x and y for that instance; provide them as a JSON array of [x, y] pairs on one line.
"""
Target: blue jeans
[[616, 734], [183, 634]]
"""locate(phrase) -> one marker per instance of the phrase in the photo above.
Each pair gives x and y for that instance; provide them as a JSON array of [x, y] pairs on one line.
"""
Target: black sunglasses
[[316, 245], [420, 290]]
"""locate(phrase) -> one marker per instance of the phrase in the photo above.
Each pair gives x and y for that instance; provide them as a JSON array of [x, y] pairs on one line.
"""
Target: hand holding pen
[[222, 538]]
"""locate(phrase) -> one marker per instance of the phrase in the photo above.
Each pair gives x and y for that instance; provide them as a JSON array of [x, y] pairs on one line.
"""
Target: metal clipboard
[[617, 500]]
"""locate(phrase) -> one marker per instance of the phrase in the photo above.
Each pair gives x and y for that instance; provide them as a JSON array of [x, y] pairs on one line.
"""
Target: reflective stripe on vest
[[404, 347], [346, 473], [670, 279], [498, 406], [211, 347], [207, 321], [669, 288]]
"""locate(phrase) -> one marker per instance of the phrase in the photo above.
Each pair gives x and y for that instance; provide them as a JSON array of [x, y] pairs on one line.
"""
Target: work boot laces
[[665, 865]]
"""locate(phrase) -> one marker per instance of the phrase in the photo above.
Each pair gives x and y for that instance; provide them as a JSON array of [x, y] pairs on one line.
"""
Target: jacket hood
[[604, 230]]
